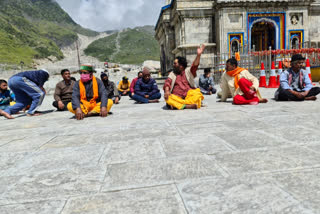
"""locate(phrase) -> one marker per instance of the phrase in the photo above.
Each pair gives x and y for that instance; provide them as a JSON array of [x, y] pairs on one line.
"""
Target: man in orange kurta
[[89, 96], [242, 85]]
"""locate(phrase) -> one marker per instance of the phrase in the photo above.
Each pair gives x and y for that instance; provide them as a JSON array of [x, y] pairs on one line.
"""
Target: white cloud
[[101, 15]]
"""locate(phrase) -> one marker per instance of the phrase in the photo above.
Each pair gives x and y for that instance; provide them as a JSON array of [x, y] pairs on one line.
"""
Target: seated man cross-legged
[[133, 83], [295, 84], [63, 91], [180, 91], [146, 89], [89, 95], [124, 87], [112, 91], [242, 85], [206, 83]]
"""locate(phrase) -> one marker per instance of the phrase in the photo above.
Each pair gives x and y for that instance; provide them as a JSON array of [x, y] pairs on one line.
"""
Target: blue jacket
[[39, 77], [146, 88], [6, 97]]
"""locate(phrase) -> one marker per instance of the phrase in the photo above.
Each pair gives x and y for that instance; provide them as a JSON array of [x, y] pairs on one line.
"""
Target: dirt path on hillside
[[118, 46], [70, 60]]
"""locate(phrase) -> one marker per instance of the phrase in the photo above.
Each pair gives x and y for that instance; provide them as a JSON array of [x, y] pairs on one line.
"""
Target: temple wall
[[314, 24], [198, 30], [192, 22], [301, 24]]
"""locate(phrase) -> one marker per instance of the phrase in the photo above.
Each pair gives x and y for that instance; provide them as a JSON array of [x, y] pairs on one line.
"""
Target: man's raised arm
[[200, 50]]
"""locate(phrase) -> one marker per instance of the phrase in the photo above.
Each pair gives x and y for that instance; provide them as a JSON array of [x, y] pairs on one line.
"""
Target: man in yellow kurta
[[89, 96], [242, 85], [180, 91]]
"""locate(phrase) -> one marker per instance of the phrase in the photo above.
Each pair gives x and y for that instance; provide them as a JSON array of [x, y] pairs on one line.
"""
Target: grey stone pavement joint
[[145, 159]]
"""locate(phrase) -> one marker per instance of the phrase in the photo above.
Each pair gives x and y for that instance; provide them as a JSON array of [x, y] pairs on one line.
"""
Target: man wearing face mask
[[89, 97], [180, 91], [112, 91], [295, 84], [146, 89]]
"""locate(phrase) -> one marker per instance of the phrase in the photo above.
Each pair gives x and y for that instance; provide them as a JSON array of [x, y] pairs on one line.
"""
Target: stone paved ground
[[145, 159]]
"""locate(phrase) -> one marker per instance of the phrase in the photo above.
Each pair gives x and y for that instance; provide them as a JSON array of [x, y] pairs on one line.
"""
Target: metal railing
[[252, 60]]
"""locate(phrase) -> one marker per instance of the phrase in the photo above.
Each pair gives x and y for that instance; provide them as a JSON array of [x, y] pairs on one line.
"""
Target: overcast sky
[[102, 15]]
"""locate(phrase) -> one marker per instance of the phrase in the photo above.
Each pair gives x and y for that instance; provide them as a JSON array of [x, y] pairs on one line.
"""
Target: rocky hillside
[[130, 46], [35, 29]]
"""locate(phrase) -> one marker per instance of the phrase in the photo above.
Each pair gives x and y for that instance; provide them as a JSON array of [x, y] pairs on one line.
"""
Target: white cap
[[42, 69]]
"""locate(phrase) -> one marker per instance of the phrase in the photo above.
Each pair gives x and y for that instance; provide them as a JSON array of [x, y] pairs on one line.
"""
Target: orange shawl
[[83, 96], [235, 73]]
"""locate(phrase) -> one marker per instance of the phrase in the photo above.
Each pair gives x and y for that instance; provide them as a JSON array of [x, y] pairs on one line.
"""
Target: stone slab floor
[[145, 159]]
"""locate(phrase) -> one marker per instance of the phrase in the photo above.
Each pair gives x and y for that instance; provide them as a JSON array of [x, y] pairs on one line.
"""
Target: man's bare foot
[[263, 100], [253, 103], [313, 98], [153, 101], [90, 114], [193, 106], [6, 115]]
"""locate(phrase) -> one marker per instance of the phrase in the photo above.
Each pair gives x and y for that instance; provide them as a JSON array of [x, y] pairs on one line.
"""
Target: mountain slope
[[35, 29], [131, 46]]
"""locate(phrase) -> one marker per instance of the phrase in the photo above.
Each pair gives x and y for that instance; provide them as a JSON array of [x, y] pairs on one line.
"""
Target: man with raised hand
[[180, 91]]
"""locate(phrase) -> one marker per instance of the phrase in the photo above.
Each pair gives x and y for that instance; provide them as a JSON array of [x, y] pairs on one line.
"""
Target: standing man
[[28, 89], [146, 89], [112, 91], [63, 91], [242, 85], [180, 91], [295, 84], [206, 83], [89, 97]]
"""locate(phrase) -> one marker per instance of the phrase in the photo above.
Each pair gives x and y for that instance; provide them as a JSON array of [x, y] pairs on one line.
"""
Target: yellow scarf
[[235, 73], [83, 96]]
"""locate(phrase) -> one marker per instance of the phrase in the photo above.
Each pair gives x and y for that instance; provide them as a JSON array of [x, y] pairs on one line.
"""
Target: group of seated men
[[142, 89], [92, 96]]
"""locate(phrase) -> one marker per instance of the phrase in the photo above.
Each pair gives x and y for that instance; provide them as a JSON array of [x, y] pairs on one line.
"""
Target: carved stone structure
[[228, 26]]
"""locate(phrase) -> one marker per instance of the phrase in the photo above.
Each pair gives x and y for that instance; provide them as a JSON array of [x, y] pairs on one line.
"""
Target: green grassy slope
[[35, 29], [136, 46]]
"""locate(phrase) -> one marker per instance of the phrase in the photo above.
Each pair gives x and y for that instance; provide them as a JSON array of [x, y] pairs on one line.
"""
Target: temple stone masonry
[[228, 26]]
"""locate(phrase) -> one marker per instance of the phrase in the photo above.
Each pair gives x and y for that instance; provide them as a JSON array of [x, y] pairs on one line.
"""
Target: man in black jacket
[[112, 91]]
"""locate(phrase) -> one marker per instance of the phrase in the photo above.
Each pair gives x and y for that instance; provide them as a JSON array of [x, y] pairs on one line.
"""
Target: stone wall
[[198, 30], [193, 22], [314, 24]]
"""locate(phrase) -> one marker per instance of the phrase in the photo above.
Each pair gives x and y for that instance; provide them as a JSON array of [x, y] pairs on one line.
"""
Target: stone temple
[[228, 26]]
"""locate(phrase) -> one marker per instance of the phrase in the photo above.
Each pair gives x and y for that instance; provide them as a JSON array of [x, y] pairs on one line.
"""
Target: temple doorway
[[263, 35]]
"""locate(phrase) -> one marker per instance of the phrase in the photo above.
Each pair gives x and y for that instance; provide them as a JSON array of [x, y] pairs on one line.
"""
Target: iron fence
[[252, 60]]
